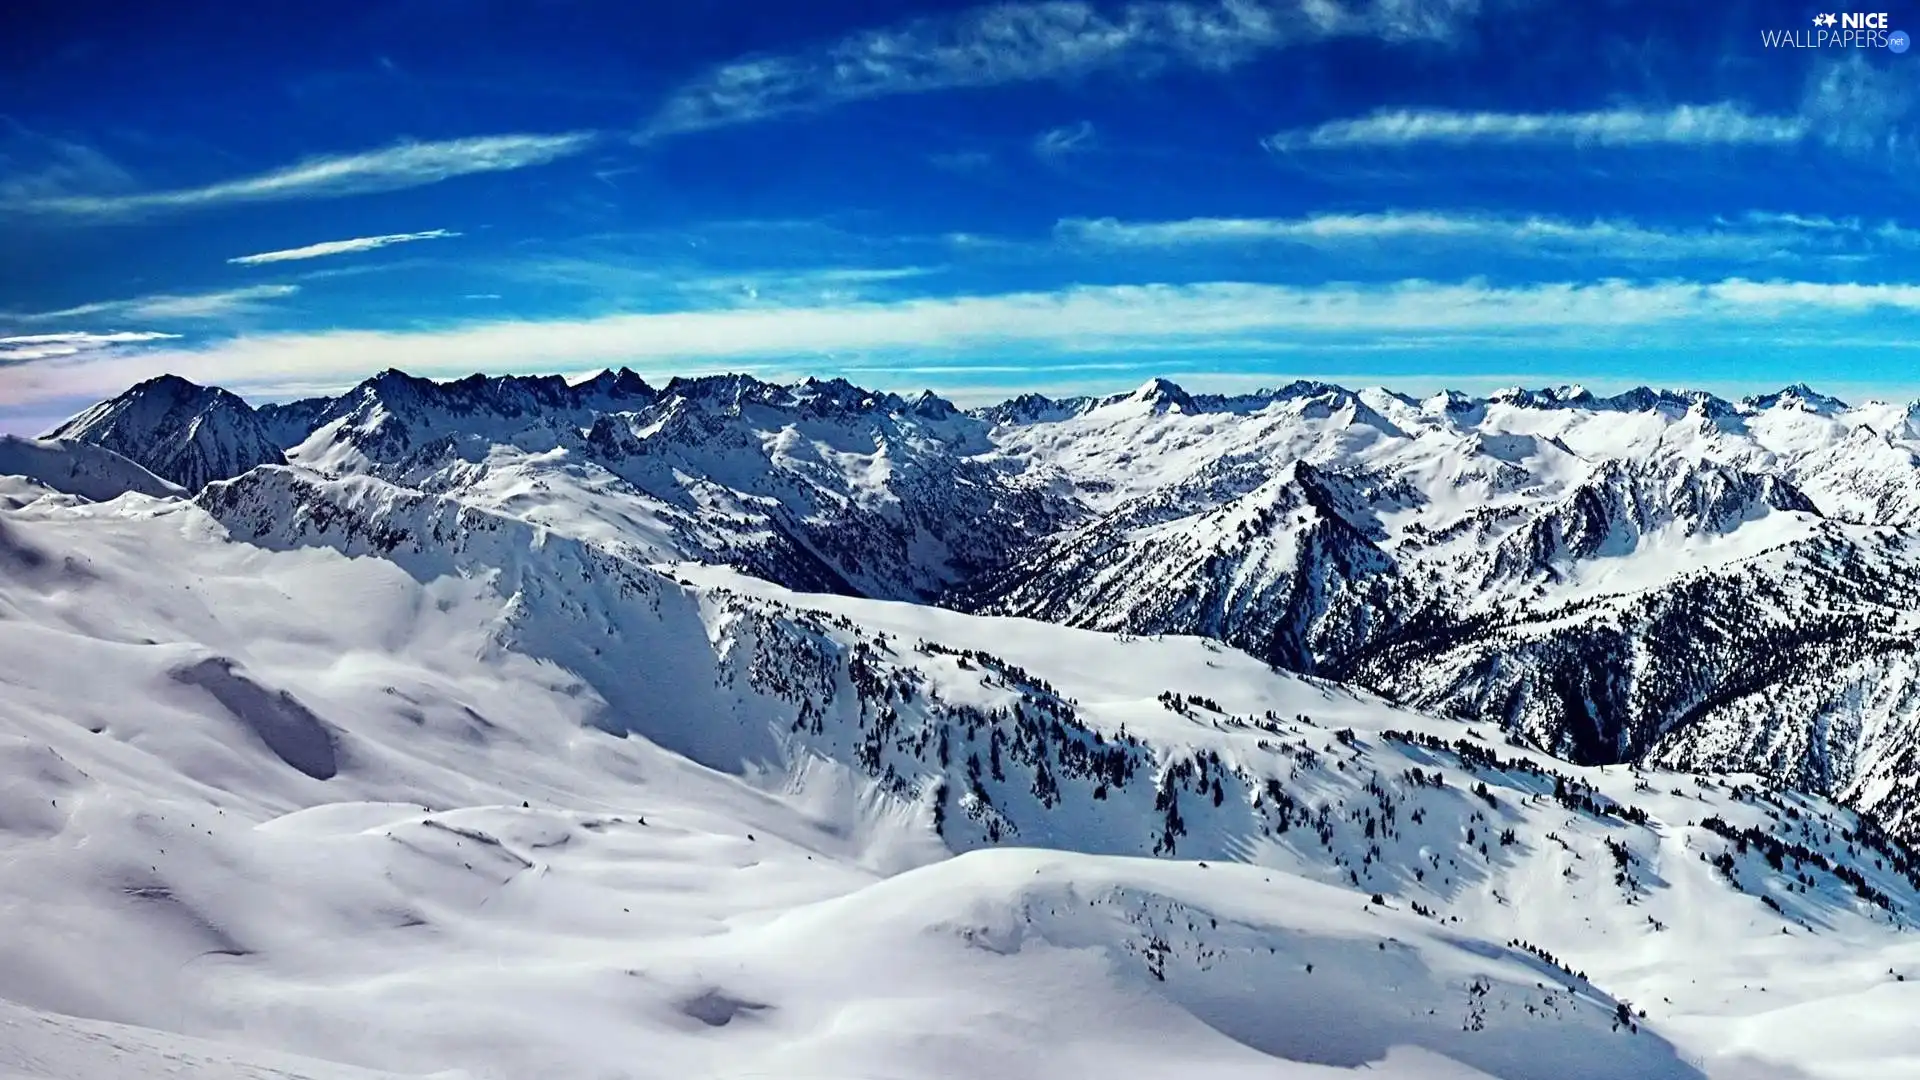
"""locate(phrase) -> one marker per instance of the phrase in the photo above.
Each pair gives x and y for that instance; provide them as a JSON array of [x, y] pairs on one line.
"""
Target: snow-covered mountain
[[419, 787], [1536, 559], [1630, 578], [821, 485], [187, 434], [509, 727]]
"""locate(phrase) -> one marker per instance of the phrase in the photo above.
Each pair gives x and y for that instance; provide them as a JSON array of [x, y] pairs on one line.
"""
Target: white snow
[[332, 778]]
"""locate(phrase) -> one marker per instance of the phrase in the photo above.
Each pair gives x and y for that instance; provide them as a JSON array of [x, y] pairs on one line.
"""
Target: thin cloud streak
[[1529, 235], [21, 348], [1718, 124], [1024, 42], [405, 165], [340, 247], [171, 306], [1080, 321]]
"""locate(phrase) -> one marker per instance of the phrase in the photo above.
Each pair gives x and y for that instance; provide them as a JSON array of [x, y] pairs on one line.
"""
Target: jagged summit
[[623, 390], [1032, 408], [1547, 398], [612, 388], [1446, 402], [1162, 394], [834, 397], [1799, 397], [180, 431]]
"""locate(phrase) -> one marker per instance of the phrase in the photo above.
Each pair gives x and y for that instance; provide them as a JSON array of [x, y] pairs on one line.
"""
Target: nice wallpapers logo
[[1846, 30]]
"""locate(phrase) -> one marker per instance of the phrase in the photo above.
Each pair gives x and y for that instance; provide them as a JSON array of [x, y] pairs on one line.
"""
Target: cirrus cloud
[[403, 165], [1716, 124], [1007, 43], [209, 305], [340, 247], [1530, 236], [22, 348]]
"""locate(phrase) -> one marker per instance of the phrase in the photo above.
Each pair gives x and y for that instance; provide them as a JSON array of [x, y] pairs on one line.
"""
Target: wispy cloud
[[405, 165], [1532, 235], [34, 165], [340, 247], [24, 347], [1082, 321], [209, 305], [1023, 42], [1718, 124], [1060, 141], [1888, 233]]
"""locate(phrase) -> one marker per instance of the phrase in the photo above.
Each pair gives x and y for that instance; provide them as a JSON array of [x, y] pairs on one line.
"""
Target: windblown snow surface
[[324, 777]]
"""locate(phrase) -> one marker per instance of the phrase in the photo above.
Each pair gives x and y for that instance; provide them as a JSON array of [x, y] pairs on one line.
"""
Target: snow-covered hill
[[479, 730], [335, 769], [1536, 559], [81, 469]]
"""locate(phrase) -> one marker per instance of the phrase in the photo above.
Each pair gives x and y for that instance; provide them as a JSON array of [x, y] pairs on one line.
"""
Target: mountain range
[[510, 726], [1650, 577]]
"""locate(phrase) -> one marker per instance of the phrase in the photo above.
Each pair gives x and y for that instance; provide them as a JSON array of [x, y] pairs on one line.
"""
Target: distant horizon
[[1203, 384]]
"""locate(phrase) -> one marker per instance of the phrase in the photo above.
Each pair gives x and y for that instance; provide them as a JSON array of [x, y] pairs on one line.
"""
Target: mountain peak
[[177, 430], [931, 406], [172, 385], [1162, 394], [1447, 401], [1800, 397], [1545, 398], [616, 385]]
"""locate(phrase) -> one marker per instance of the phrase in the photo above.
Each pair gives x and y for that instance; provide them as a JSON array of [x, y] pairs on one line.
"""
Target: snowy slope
[[342, 770], [36, 1045], [78, 468], [1532, 559], [488, 739]]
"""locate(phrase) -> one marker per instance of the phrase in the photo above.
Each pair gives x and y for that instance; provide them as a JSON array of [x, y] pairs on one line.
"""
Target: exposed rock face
[[188, 434]]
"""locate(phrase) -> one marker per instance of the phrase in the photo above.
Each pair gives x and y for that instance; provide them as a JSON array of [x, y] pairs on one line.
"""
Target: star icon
[[1824, 20]]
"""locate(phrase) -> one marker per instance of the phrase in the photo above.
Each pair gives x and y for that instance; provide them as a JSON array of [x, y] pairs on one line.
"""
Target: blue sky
[[1065, 196]]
